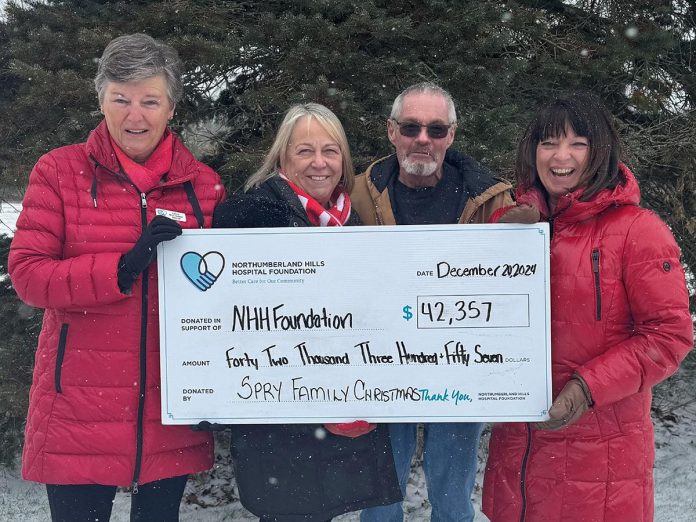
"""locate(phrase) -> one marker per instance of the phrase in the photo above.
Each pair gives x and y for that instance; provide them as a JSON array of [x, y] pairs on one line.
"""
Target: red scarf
[[149, 174], [335, 216]]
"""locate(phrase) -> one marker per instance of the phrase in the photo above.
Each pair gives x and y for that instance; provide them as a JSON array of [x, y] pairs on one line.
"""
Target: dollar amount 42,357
[[472, 311]]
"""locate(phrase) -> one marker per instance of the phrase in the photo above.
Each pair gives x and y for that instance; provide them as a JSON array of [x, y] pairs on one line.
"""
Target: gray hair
[[428, 88], [135, 57], [329, 122]]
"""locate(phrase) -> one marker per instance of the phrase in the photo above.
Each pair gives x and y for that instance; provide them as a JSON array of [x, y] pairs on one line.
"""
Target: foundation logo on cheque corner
[[202, 270]]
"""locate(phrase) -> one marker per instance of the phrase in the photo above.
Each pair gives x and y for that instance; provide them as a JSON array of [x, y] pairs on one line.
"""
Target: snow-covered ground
[[211, 496], [9, 211]]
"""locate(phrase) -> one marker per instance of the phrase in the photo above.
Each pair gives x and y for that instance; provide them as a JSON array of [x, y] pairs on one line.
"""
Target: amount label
[[473, 311]]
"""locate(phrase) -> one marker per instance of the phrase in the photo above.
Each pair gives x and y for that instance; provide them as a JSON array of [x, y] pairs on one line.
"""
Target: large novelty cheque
[[390, 324]]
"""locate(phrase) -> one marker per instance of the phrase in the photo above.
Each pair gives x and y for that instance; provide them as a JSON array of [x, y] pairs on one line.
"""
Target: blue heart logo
[[202, 270]]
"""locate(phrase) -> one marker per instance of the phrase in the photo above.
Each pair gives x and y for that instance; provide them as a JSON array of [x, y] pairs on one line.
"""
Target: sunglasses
[[410, 129]]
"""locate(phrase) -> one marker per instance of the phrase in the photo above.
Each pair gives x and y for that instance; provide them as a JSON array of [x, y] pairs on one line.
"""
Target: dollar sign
[[407, 312]]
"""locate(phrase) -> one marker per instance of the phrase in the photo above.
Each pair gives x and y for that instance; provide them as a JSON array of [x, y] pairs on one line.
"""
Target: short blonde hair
[[329, 122]]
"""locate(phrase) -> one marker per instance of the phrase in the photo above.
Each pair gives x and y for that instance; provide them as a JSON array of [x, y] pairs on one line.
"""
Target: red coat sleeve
[[659, 304], [39, 273]]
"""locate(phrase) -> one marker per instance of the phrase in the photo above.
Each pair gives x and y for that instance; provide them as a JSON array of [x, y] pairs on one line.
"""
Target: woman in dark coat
[[306, 472]]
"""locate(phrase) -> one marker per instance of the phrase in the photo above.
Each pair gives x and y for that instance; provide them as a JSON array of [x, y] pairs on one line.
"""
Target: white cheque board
[[390, 324]]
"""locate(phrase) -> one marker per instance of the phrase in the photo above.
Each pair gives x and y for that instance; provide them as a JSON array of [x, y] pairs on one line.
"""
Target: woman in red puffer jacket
[[85, 242], [620, 324]]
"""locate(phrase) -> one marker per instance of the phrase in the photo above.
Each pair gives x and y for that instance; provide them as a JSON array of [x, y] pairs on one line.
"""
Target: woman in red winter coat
[[93, 214], [620, 324]]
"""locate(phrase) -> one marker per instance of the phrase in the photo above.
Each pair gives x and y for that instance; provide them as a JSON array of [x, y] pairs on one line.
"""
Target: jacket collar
[[276, 188], [477, 179], [184, 165], [99, 147]]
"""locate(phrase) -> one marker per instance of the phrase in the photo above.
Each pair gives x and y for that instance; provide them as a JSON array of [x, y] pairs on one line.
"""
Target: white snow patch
[[9, 212]]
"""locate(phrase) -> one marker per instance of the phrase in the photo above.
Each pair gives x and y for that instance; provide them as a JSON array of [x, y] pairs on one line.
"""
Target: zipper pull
[[595, 261], [598, 287], [135, 487], [93, 190], [143, 201]]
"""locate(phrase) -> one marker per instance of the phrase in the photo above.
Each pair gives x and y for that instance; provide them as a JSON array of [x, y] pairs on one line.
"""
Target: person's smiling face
[[136, 115], [313, 160], [560, 162]]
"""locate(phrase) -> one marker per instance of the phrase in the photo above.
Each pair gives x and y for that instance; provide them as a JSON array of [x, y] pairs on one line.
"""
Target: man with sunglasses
[[426, 183]]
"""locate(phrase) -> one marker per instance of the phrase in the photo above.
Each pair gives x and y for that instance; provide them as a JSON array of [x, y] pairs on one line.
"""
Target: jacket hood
[[477, 178]]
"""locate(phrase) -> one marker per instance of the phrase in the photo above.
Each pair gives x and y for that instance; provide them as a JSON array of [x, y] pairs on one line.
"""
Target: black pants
[[155, 501]]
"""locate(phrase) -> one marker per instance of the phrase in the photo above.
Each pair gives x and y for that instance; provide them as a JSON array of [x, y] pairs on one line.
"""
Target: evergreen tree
[[247, 62], [20, 333], [49, 52]]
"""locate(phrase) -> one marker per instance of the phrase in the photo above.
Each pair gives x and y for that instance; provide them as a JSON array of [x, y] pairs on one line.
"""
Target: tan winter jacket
[[370, 196]]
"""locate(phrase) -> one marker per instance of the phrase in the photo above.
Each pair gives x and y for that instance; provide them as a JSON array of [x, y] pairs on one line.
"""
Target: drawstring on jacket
[[188, 187], [97, 164]]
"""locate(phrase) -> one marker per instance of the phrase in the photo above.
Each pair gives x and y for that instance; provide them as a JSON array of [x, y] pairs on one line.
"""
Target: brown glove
[[526, 214], [569, 406]]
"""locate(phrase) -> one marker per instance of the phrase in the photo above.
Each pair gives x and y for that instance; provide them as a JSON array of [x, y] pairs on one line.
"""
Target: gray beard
[[415, 168]]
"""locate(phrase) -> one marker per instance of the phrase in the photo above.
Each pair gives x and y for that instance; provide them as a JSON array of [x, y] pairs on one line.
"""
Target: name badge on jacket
[[171, 214]]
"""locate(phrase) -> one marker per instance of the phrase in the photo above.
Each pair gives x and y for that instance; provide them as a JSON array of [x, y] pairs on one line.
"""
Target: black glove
[[139, 257], [209, 426], [252, 211]]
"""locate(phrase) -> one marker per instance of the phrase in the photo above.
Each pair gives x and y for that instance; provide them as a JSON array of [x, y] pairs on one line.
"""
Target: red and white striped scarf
[[335, 216]]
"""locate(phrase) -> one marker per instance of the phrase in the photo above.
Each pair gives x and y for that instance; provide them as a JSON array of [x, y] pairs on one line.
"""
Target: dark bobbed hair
[[588, 117]]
